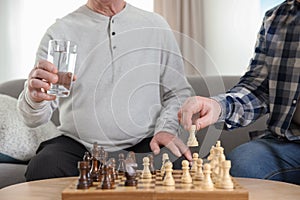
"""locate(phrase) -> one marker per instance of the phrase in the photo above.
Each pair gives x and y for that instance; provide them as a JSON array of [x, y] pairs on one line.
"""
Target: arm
[[240, 106], [248, 100], [174, 89], [34, 104]]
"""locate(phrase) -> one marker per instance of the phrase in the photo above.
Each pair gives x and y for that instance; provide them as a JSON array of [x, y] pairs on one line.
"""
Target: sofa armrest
[[13, 88]]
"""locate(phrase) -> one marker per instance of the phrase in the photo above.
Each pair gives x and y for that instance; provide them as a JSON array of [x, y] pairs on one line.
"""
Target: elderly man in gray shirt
[[129, 86]]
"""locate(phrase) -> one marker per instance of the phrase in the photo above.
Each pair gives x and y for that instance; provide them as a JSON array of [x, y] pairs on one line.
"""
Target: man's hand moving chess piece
[[208, 111]]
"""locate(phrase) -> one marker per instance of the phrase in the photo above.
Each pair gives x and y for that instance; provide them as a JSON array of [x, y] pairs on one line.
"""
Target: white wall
[[24, 22], [10, 37], [230, 30]]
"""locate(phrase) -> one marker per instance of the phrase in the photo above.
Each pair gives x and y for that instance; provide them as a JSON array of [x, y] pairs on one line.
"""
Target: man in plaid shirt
[[270, 86]]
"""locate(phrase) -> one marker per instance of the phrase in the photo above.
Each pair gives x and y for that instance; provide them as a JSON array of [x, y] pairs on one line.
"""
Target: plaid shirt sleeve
[[248, 100]]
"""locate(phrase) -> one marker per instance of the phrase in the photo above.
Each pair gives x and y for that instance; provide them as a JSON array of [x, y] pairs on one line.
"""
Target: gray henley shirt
[[130, 79]]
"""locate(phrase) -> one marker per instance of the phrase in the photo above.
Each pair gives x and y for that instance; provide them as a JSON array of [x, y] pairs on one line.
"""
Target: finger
[[38, 84], [174, 149], [183, 149], [47, 66], [44, 75], [187, 154], [187, 119], [154, 146], [40, 96]]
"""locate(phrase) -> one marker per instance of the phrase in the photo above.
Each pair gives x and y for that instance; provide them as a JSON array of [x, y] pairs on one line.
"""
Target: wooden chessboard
[[154, 189]]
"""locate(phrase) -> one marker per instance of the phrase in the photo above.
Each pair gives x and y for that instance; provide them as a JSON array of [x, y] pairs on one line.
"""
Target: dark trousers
[[58, 157]]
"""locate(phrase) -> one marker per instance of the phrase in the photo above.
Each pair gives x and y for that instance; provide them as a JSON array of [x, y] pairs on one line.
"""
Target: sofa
[[11, 173]]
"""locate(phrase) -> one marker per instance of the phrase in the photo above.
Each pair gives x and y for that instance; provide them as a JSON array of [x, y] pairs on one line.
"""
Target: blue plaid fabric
[[272, 82]]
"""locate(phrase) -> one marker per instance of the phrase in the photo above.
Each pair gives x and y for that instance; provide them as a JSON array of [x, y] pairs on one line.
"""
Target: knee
[[49, 165], [39, 168], [248, 160]]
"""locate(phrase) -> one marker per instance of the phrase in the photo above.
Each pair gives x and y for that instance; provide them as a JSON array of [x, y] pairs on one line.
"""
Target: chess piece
[[192, 141], [95, 172], [130, 171], [168, 180], [131, 157], [211, 154], [226, 182], [83, 182], [130, 179], [121, 167], [112, 164], [220, 173], [218, 150], [146, 173], [194, 165], [186, 177], [207, 183], [102, 156], [106, 182], [87, 157], [165, 157], [199, 176], [151, 160]]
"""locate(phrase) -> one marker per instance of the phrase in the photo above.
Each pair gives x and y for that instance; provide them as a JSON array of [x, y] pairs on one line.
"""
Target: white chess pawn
[[168, 180], [186, 177], [146, 173], [218, 151], [194, 165], [192, 141], [220, 173], [207, 183], [199, 176], [165, 157], [226, 180]]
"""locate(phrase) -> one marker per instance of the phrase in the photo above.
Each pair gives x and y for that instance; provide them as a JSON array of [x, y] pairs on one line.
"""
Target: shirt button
[[113, 33], [113, 21], [294, 101], [114, 47]]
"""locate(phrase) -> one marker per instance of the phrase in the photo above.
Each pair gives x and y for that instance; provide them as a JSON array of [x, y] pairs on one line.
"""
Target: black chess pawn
[[95, 169], [103, 156], [121, 167], [87, 157], [111, 174], [106, 182], [151, 166], [83, 182], [112, 165]]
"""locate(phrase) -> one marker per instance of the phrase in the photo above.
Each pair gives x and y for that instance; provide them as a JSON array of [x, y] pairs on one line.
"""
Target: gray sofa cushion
[[13, 88], [16, 139], [11, 174]]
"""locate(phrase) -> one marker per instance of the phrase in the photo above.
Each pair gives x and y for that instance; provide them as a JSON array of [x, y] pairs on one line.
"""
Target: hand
[[208, 109], [173, 143], [39, 81], [40, 78]]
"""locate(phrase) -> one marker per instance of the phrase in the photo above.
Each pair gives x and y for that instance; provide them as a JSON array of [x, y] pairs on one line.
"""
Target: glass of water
[[62, 53]]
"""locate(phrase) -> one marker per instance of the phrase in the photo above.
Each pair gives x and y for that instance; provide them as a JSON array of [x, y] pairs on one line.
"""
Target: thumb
[[154, 145]]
